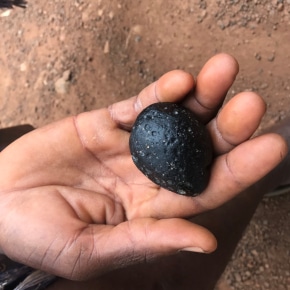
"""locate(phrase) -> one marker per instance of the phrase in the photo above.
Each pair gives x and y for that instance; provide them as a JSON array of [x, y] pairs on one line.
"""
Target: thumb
[[142, 240]]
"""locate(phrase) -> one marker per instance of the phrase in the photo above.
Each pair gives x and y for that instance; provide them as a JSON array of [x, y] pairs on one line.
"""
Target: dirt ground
[[59, 58]]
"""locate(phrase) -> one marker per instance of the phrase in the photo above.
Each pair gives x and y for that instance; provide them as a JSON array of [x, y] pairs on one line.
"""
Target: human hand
[[73, 203]]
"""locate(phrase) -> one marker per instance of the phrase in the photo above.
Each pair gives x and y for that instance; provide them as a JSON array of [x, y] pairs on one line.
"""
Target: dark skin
[[73, 203]]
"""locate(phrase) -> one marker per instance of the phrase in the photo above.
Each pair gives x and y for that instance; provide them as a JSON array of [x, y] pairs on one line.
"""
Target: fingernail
[[192, 249]]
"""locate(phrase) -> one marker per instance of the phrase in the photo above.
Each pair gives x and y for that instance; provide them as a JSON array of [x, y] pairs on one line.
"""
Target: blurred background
[[59, 58]]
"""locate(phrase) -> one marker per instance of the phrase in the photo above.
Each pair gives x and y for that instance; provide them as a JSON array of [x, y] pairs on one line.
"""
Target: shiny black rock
[[172, 148]]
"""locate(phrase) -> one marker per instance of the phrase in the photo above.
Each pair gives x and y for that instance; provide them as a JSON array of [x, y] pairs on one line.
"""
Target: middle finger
[[212, 84]]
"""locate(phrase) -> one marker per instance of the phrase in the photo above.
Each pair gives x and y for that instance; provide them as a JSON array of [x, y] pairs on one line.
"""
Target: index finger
[[171, 87]]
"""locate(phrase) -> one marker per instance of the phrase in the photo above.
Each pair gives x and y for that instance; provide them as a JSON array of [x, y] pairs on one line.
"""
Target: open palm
[[73, 203]]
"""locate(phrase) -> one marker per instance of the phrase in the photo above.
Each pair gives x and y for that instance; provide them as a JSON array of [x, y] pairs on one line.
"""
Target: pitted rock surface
[[172, 148]]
